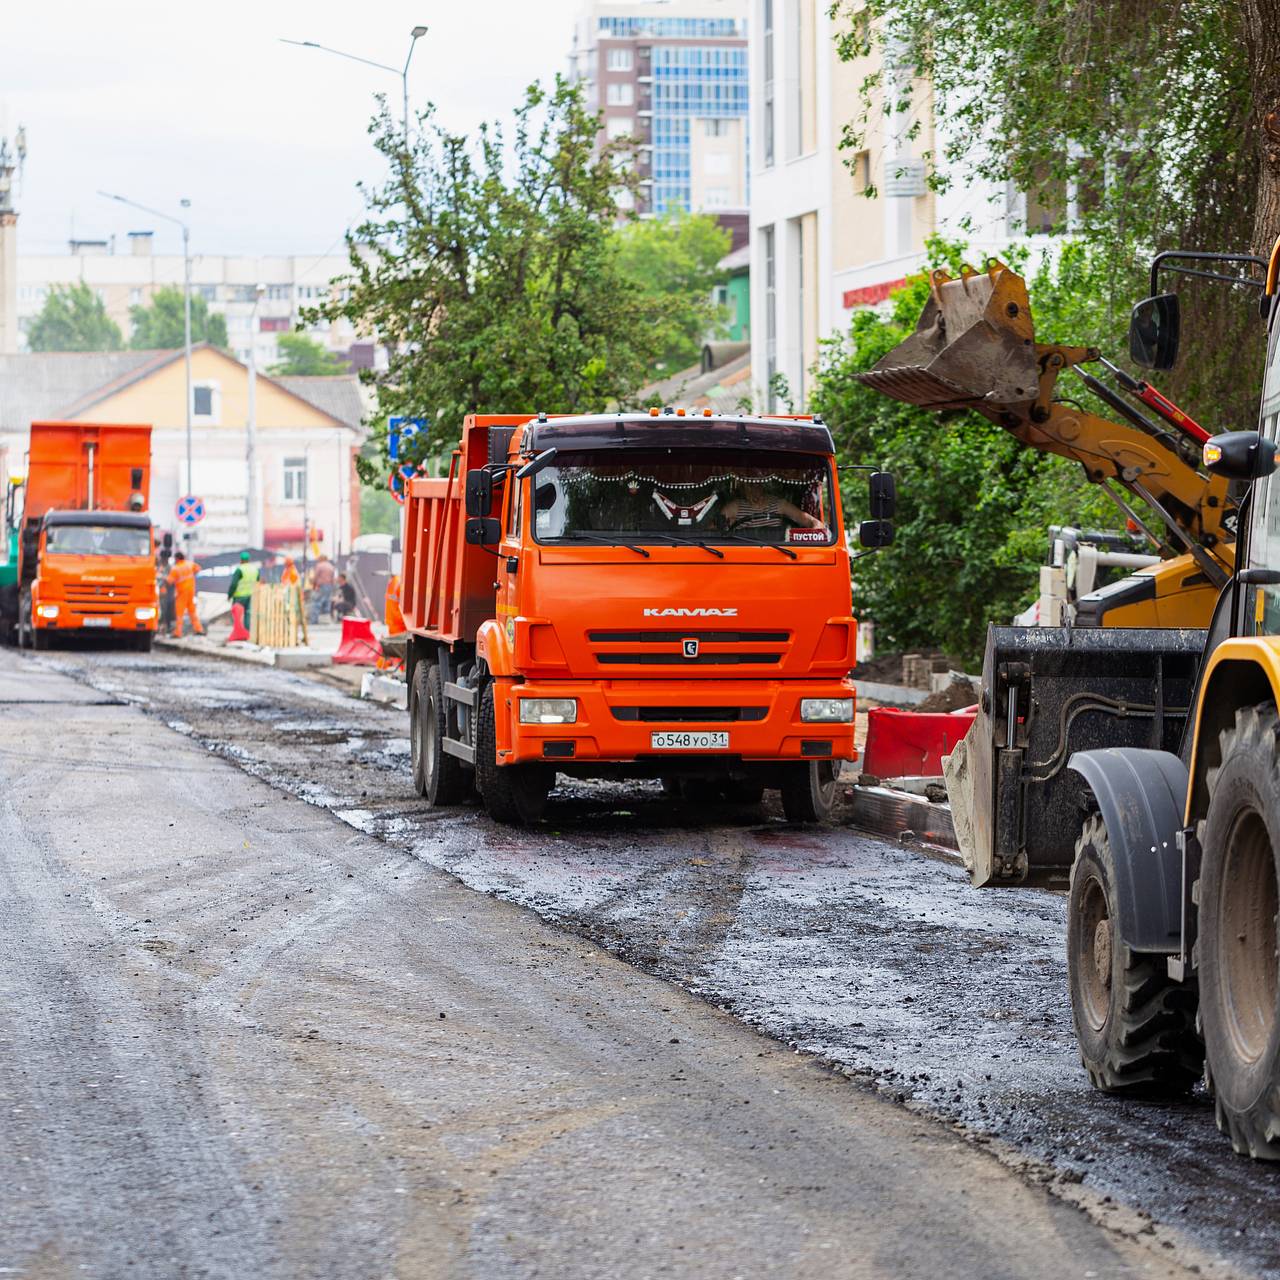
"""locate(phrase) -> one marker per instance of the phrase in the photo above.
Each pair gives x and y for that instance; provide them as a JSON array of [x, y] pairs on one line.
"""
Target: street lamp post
[[403, 72], [253, 508], [186, 302]]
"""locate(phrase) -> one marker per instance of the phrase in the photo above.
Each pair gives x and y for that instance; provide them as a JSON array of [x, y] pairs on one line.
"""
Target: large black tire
[[142, 641], [1236, 951], [514, 794], [442, 779], [809, 791], [1135, 1026]]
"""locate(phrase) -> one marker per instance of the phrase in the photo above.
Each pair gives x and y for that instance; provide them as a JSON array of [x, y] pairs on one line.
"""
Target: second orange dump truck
[[635, 595], [86, 549]]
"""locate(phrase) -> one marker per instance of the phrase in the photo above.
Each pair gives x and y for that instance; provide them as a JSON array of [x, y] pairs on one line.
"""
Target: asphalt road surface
[[262, 1014]]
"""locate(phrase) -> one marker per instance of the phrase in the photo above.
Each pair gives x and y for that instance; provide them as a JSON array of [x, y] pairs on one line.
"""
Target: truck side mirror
[[1240, 455], [483, 531], [876, 533], [479, 492], [884, 495], [1154, 329]]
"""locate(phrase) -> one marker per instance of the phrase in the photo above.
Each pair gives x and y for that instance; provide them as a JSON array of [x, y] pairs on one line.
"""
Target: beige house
[[308, 432]]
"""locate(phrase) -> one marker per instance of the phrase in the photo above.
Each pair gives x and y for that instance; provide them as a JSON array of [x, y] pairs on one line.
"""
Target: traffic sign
[[190, 510]]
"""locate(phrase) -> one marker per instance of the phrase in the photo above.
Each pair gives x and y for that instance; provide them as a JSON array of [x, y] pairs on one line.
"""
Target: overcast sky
[[160, 99]]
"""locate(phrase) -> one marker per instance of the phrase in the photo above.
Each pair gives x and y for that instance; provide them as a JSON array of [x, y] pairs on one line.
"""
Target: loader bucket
[[1048, 692], [973, 346]]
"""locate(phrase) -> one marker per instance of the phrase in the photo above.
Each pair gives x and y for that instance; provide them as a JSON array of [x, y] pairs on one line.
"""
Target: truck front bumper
[[69, 618], [617, 722]]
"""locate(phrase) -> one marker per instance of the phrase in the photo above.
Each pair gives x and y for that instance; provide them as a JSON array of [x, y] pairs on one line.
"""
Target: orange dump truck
[[632, 595], [86, 551]]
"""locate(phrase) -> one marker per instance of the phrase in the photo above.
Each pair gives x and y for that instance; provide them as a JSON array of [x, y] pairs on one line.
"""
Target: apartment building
[[673, 75], [819, 245]]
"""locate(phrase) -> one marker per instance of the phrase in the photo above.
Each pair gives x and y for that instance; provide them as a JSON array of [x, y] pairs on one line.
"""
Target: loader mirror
[[479, 492], [1240, 455], [876, 533], [1154, 329], [483, 531], [884, 496], [537, 464]]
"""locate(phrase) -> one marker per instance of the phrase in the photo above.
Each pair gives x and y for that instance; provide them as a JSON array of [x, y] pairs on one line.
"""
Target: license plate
[[97, 622], [702, 741]]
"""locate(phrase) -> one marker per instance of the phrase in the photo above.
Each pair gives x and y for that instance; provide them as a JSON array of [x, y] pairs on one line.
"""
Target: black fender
[[1141, 795]]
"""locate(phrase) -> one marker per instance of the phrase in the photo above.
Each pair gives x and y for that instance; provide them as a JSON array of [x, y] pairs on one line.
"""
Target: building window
[[715, 162], [768, 86], [135, 297], [717, 197], [861, 168], [205, 401], [279, 292], [770, 318], [620, 127], [715, 128], [295, 480], [619, 60], [620, 95]]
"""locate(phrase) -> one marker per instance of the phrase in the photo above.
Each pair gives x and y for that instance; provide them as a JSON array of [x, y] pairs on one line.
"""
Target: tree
[[1161, 117], [491, 271], [305, 357], [974, 504], [160, 325], [675, 257], [73, 318]]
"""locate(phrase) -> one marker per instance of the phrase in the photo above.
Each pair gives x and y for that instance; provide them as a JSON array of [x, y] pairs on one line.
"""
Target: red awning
[[281, 535], [870, 294]]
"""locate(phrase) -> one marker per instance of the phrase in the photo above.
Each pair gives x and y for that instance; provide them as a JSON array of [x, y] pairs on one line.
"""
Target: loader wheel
[[1135, 1025], [809, 791], [442, 779], [513, 794], [1238, 965]]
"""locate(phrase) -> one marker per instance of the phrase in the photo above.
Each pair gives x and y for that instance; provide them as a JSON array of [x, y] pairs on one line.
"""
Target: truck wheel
[[1238, 965], [514, 794], [809, 791], [142, 641], [1135, 1026], [442, 779], [40, 639]]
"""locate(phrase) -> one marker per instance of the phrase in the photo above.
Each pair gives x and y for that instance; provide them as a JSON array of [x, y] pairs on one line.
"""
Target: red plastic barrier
[[238, 630], [358, 646], [902, 744]]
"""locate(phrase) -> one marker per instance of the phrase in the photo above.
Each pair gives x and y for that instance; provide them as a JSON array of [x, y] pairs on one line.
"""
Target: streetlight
[[186, 301], [416, 34], [253, 508]]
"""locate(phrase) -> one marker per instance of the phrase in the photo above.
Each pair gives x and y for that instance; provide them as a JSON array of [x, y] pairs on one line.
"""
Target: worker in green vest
[[243, 582]]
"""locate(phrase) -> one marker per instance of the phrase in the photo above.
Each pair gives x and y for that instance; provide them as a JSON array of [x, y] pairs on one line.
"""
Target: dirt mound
[[957, 695]]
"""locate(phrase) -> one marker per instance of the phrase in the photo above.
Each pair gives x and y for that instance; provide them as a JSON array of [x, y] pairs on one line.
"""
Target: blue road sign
[[190, 509]]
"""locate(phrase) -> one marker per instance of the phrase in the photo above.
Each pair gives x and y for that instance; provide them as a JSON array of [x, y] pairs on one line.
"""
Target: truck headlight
[[548, 710], [144, 613], [826, 710], [46, 611]]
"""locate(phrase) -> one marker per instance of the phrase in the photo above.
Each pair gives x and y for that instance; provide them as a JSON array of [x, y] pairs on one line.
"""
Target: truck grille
[[689, 715], [668, 650], [95, 597]]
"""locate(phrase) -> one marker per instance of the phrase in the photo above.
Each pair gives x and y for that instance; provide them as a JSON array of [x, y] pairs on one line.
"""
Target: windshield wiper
[[738, 540], [611, 542]]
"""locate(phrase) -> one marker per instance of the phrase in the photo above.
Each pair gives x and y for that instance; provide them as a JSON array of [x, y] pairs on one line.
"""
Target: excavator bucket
[[973, 346]]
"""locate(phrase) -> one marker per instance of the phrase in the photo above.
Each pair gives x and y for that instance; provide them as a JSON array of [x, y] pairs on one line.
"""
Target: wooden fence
[[278, 618]]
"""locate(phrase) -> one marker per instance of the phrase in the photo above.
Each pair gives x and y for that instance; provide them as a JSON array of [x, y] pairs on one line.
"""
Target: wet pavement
[[874, 957]]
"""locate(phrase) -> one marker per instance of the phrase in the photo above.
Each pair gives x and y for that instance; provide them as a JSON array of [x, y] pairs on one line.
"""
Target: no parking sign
[[189, 509]]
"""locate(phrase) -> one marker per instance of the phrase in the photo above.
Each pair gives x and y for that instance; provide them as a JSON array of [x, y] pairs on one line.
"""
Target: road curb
[[241, 651]]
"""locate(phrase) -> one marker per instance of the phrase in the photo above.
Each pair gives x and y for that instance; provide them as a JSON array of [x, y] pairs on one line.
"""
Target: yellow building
[[308, 431]]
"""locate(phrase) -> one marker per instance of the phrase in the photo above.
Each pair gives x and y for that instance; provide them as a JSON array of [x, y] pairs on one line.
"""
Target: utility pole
[[253, 506]]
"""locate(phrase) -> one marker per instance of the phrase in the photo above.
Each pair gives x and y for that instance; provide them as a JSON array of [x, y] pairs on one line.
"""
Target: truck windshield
[[694, 495], [98, 540]]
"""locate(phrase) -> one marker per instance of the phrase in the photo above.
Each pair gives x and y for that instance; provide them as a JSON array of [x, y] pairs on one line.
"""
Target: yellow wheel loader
[[1175, 870]]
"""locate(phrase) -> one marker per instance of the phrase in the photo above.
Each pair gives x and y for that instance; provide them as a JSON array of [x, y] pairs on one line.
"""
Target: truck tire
[[442, 779], [1135, 1026], [142, 641], [513, 794], [809, 791], [1236, 949]]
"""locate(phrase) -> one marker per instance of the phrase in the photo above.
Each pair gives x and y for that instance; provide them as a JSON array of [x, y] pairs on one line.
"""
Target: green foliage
[[73, 318], [379, 511], [1146, 110], [975, 505], [305, 357], [160, 325], [674, 258], [491, 270]]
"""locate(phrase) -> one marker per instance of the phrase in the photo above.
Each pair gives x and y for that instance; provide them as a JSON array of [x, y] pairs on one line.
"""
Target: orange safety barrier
[[358, 646], [238, 630]]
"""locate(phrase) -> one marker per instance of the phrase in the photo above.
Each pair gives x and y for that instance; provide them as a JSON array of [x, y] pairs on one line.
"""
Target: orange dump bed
[[77, 466]]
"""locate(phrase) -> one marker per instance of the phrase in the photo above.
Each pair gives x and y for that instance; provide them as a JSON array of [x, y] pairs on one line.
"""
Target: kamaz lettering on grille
[[690, 613]]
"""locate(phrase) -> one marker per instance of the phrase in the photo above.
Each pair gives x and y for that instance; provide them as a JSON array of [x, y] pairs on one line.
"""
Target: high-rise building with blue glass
[[671, 74]]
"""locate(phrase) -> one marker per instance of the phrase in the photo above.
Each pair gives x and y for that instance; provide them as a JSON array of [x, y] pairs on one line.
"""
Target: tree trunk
[[1262, 38]]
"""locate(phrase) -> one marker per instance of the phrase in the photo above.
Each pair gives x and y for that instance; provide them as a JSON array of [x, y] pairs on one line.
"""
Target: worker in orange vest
[[182, 578], [289, 574], [394, 618]]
